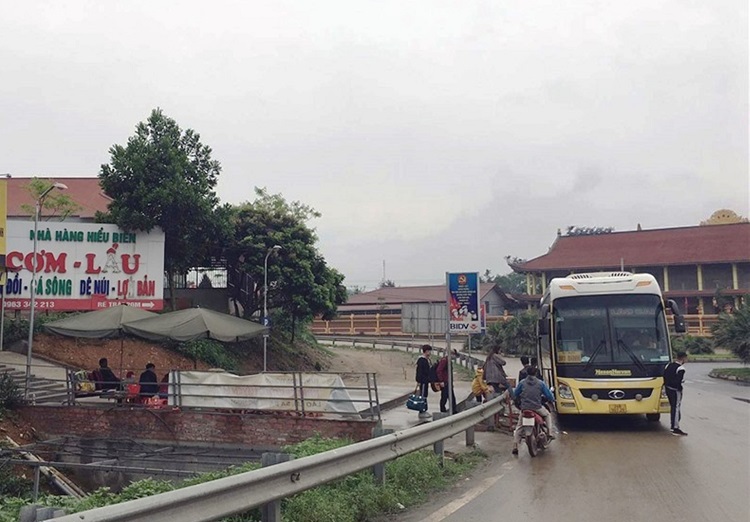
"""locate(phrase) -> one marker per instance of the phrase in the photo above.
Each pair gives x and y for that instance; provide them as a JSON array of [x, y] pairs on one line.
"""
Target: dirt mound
[[133, 354], [127, 353]]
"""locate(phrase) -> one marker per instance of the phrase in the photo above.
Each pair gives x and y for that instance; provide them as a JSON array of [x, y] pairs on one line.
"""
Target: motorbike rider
[[529, 395]]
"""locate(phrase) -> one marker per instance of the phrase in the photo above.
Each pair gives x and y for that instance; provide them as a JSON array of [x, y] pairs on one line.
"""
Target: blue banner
[[463, 302]]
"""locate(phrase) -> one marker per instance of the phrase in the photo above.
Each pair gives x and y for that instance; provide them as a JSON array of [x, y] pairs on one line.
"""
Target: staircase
[[41, 390]]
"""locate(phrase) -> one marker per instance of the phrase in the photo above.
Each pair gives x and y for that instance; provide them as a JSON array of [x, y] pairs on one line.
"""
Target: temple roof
[[646, 248]]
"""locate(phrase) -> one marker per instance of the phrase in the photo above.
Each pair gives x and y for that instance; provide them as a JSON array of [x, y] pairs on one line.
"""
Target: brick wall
[[260, 431]]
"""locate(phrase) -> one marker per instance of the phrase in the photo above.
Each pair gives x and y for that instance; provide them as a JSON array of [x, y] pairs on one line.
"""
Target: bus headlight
[[663, 393], [564, 391]]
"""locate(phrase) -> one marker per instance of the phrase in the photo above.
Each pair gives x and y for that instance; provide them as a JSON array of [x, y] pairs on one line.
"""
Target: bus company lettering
[[613, 372]]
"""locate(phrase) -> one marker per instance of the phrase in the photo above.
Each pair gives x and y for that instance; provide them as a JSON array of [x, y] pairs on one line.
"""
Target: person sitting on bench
[[149, 382], [105, 379]]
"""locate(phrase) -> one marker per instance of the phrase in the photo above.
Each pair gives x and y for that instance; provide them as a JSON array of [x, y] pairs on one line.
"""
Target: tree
[[300, 283], [732, 331], [516, 335], [387, 283], [165, 178], [513, 282], [57, 204]]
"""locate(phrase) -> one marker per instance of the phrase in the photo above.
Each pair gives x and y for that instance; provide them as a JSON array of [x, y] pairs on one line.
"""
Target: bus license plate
[[618, 408]]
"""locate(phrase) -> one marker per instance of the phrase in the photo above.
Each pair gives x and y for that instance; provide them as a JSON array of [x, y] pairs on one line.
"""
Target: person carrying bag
[[423, 384], [416, 402]]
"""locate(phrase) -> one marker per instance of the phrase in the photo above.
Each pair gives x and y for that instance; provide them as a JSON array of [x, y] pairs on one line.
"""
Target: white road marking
[[470, 495]]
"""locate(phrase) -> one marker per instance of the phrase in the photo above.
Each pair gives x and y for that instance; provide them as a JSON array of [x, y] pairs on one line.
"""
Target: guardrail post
[[378, 470], [439, 446], [271, 512], [34, 513], [470, 441], [37, 471]]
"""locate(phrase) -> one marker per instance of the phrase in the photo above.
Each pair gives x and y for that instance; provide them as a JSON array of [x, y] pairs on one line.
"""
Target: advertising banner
[[325, 393], [463, 302], [83, 266]]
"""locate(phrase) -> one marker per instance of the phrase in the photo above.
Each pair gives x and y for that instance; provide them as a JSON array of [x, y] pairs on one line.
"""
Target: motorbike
[[534, 431]]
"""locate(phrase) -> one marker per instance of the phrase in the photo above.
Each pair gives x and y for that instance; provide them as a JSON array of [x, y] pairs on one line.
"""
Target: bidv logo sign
[[462, 326]]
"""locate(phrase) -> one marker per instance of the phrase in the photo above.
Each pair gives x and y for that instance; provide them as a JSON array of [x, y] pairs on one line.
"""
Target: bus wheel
[[653, 417]]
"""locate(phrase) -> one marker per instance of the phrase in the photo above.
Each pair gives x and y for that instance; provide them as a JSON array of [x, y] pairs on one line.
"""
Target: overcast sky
[[432, 136]]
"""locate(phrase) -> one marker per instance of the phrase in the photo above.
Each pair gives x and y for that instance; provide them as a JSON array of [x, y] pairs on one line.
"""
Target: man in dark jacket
[[149, 382], [423, 375], [530, 392], [674, 375], [106, 378]]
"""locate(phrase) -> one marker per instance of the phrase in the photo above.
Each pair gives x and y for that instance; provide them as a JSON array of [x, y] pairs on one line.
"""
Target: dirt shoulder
[[393, 367]]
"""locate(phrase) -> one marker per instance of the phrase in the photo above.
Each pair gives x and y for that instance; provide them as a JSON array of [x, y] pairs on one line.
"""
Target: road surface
[[623, 469]]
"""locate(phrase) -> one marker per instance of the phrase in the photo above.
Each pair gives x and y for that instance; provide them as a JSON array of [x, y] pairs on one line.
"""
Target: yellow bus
[[604, 343]]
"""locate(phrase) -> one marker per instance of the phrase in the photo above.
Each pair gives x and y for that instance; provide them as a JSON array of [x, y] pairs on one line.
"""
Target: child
[[479, 388]]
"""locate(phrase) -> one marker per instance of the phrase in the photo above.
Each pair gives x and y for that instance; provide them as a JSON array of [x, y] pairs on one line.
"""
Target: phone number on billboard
[[25, 305]]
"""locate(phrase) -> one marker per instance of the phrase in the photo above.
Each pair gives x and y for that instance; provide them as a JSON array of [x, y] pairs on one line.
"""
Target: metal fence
[[356, 395]]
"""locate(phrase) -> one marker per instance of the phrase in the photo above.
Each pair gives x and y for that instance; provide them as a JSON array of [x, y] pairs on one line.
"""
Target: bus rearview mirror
[[679, 319]]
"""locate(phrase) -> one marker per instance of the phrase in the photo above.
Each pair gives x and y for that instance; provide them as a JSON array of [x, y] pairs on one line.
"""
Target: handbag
[[416, 402]]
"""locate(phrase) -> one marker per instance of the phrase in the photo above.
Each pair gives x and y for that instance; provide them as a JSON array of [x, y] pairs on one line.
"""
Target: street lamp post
[[271, 250], [37, 207]]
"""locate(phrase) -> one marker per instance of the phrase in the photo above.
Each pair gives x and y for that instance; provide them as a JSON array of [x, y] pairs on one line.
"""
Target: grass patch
[[740, 374], [713, 357], [409, 481]]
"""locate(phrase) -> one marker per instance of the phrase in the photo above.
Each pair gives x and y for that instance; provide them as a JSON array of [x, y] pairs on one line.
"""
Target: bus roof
[[599, 283]]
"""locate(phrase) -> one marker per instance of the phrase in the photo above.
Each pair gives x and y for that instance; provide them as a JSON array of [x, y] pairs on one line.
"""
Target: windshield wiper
[[602, 344], [633, 357]]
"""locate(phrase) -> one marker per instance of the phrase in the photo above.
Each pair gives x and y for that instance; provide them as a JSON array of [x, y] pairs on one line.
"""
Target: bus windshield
[[611, 330]]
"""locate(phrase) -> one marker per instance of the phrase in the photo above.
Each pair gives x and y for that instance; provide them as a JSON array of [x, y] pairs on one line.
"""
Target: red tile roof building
[[388, 300], [703, 267], [85, 192]]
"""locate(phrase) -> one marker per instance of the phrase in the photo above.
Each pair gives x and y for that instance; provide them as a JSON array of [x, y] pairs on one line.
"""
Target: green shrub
[[12, 485], [209, 351], [732, 331], [10, 395], [692, 344], [17, 328]]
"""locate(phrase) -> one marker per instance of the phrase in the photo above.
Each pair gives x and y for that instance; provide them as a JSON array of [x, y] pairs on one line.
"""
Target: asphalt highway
[[622, 469]]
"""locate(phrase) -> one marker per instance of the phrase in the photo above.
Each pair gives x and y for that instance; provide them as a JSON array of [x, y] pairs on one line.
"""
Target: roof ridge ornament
[[724, 216]]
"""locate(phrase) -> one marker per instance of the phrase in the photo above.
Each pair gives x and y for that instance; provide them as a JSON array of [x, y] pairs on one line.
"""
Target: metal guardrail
[[469, 360], [239, 493]]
